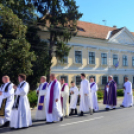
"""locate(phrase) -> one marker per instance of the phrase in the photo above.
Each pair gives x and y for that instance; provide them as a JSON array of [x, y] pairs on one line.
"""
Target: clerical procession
[[54, 103], [66, 66]]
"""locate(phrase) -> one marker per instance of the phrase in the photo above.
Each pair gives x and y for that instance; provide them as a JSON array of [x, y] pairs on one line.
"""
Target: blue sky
[[115, 12]]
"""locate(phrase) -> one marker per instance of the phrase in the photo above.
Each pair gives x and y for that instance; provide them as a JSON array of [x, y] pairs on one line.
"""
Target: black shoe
[[71, 113], [81, 114], [122, 106], [107, 109], [114, 108], [61, 119], [12, 128], [75, 111], [93, 111], [66, 116], [49, 122], [6, 124]]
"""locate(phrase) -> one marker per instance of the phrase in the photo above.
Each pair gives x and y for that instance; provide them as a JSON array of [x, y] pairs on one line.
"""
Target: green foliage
[[33, 98], [15, 52], [100, 94], [41, 65], [59, 17], [21, 49], [120, 92], [25, 12]]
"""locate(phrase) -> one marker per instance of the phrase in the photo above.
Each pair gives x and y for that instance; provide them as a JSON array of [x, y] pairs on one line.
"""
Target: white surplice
[[41, 114], [57, 110], [94, 89], [65, 95], [74, 97], [128, 95], [21, 116], [9, 103], [86, 97]]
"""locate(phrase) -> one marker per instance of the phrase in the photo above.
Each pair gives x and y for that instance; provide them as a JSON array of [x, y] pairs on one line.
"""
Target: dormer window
[[80, 29]]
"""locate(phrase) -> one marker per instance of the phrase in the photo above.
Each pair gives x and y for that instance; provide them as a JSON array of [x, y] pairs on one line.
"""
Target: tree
[[26, 12], [14, 48], [22, 8], [41, 65], [61, 18]]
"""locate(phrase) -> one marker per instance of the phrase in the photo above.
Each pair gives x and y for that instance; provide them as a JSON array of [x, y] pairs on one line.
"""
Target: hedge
[[100, 94], [120, 92], [33, 98]]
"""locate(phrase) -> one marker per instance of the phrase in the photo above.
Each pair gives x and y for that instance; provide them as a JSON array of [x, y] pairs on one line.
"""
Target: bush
[[33, 98], [120, 92], [100, 94]]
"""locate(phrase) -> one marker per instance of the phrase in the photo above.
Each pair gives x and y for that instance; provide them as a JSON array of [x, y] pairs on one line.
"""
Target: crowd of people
[[53, 99]]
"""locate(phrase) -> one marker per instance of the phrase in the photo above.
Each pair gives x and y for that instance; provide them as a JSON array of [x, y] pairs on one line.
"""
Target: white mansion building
[[98, 51]]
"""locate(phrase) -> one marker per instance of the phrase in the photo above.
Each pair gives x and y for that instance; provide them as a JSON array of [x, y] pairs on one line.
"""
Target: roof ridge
[[96, 24]]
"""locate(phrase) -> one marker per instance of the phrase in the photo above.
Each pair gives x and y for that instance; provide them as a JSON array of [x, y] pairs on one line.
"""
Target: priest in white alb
[[64, 97], [41, 91], [85, 96], [6, 101], [94, 88], [53, 101], [21, 113], [128, 94], [73, 100]]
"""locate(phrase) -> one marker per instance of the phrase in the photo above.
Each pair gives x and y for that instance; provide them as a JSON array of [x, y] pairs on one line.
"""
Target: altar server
[[94, 88], [41, 91], [128, 94], [6, 101], [74, 97], [21, 113], [53, 102], [85, 96], [64, 98], [110, 94]]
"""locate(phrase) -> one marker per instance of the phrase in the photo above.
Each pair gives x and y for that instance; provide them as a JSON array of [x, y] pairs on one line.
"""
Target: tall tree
[[25, 11], [22, 8], [60, 17], [14, 48]]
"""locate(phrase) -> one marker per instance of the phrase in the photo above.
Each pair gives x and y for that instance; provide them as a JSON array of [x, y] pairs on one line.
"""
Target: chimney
[[114, 26]]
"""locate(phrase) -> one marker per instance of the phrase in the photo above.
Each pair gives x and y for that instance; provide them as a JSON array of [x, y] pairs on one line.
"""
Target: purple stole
[[50, 110], [41, 101], [61, 96], [92, 85]]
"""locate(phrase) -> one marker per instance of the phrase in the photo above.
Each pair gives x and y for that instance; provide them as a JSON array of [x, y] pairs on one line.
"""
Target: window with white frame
[[125, 62], [104, 58], [116, 79], [78, 80], [104, 80], [91, 57], [78, 57], [115, 59], [92, 77], [65, 78], [133, 61]]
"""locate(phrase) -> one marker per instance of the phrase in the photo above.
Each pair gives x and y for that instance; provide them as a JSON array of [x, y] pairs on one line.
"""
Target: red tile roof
[[93, 30]]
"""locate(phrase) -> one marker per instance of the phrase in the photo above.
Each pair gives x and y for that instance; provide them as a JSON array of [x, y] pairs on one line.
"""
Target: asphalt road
[[119, 121]]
